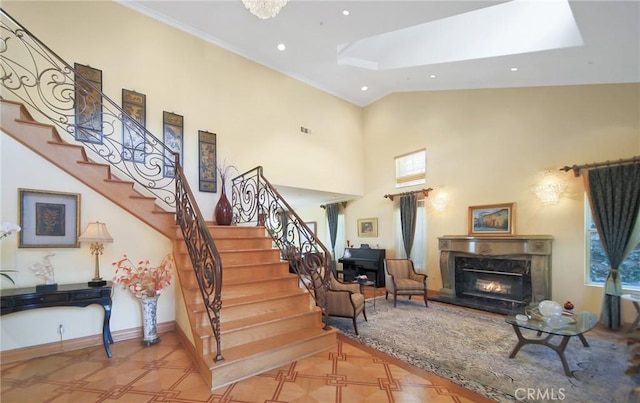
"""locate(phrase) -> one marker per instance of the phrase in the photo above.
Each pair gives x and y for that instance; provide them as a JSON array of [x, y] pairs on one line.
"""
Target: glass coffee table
[[566, 326]]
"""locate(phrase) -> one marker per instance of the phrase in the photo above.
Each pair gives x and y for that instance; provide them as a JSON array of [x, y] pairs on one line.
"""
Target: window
[[411, 169], [599, 265]]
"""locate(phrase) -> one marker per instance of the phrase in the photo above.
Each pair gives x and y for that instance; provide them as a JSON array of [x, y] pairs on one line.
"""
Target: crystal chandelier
[[264, 9]]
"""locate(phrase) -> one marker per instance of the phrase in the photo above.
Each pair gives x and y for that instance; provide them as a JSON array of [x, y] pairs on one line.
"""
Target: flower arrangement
[[6, 229], [143, 280], [224, 170]]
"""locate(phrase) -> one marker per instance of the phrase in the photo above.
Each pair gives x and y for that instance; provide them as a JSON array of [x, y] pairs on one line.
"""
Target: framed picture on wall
[[172, 129], [48, 219], [492, 219], [208, 162], [88, 104], [367, 227], [133, 137]]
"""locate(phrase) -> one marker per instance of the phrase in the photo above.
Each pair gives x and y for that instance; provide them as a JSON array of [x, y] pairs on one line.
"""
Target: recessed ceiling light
[[514, 69], [432, 76], [281, 46], [364, 88], [345, 12]]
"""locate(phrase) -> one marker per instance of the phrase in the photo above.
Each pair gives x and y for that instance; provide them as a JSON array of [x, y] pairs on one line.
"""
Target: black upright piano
[[358, 261]]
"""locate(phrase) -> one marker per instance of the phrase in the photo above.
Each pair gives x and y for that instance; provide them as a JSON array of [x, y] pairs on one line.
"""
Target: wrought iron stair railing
[[51, 89], [256, 200], [31, 73]]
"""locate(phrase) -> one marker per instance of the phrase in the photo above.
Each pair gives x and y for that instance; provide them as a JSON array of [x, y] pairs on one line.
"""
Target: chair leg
[[409, 296], [355, 325], [365, 315], [425, 300], [386, 295], [395, 299]]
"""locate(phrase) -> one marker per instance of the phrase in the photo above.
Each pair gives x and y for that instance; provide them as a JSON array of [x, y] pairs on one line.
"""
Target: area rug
[[472, 349]]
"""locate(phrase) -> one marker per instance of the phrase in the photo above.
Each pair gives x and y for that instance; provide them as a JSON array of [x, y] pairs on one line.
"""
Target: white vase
[[150, 321]]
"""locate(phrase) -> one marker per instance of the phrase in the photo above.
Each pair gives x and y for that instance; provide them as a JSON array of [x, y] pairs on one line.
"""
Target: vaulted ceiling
[[395, 46]]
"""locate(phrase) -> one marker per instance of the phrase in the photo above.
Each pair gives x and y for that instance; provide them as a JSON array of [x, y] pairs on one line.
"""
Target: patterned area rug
[[473, 350]]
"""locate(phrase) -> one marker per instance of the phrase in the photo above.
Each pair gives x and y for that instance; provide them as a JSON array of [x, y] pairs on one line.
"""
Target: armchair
[[343, 299], [402, 279]]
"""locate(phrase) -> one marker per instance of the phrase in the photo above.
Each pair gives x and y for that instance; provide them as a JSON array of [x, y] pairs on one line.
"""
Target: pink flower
[[143, 280]]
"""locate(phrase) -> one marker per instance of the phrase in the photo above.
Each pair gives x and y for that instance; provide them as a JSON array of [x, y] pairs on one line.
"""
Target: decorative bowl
[[550, 308]]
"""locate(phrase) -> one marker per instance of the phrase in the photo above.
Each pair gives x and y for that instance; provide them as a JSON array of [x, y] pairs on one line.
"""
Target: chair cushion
[[404, 284]]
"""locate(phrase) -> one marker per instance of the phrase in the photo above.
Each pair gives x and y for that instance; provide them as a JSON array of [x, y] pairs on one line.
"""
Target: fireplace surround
[[496, 274]]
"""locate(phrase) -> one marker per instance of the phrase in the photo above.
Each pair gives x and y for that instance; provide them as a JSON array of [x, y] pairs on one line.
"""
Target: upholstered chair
[[343, 299], [401, 279]]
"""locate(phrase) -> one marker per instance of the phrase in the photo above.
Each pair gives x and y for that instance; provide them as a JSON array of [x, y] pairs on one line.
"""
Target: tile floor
[[349, 373]]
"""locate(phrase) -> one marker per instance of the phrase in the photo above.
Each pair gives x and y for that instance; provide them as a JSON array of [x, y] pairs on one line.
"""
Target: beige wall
[[489, 146]]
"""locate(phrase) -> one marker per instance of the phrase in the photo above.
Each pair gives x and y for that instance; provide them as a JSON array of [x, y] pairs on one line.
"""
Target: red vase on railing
[[223, 211]]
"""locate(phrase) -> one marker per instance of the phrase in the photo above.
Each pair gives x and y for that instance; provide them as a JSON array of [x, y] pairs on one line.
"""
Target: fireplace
[[496, 274]]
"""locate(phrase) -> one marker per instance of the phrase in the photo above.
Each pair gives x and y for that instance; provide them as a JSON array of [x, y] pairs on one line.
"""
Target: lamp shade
[[96, 232]]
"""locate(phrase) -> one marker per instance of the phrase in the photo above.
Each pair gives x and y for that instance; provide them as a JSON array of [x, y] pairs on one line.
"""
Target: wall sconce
[[550, 188], [440, 202], [97, 234]]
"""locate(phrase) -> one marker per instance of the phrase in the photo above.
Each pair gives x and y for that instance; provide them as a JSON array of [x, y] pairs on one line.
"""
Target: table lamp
[[97, 234]]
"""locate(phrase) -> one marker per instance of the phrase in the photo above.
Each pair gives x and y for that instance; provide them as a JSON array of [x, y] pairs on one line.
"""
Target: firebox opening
[[493, 284]]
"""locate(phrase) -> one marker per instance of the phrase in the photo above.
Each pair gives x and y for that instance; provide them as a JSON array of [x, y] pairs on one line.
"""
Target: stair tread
[[239, 324], [248, 299], [268, 345]]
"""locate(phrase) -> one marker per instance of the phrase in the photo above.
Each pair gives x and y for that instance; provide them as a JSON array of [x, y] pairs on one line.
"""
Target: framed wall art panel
[[173, 131], [88, 104], [133, 138], [492, 219], [368, 227], [48, 219], [208, 161]]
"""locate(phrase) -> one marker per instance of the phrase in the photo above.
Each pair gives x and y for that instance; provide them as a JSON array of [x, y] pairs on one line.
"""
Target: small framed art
[[133, 138], [367, 227], [173, 131], [492, 219], [208, 162], [48, 219]]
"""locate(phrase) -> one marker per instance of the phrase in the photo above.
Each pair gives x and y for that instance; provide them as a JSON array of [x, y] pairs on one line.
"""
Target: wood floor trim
[[42, 350]]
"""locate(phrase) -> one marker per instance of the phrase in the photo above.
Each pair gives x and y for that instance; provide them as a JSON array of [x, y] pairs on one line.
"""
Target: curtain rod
[[344, 204], [576, 168], [423, 191]]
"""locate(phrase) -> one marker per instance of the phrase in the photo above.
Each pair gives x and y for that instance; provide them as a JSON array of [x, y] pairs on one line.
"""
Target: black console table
[[79, 295]]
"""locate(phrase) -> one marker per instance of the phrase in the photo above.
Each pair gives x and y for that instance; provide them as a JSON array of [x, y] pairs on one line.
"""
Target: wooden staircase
[[267, 320], [44, 140]]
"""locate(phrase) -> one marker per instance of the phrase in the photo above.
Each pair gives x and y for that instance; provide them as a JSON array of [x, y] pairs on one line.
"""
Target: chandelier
[[264, 9]]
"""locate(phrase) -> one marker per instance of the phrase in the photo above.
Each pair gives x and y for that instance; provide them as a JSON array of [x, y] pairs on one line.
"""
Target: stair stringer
[[44, 140], [259, 330]]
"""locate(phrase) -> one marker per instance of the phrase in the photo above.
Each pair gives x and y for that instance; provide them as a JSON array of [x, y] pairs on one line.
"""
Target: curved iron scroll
[[254, 199], [33, 74], [202, 251]]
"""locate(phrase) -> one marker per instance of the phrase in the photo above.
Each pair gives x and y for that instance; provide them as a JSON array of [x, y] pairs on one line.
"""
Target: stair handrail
[[204, 255], [36, 76], [49, 86], [256, 200]]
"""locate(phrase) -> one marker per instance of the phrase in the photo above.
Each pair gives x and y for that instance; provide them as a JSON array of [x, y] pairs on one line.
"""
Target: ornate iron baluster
[[254, 199]]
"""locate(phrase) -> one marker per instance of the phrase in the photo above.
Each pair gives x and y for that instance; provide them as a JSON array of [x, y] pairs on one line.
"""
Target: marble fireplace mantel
[[537, 248]]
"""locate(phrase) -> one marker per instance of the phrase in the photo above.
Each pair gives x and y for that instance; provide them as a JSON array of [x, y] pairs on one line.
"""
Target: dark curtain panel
[[614, 196], [332, 215], [408, 212]]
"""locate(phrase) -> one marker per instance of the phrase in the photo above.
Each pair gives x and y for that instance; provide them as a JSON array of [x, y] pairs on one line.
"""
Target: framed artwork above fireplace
[[492, 220]]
